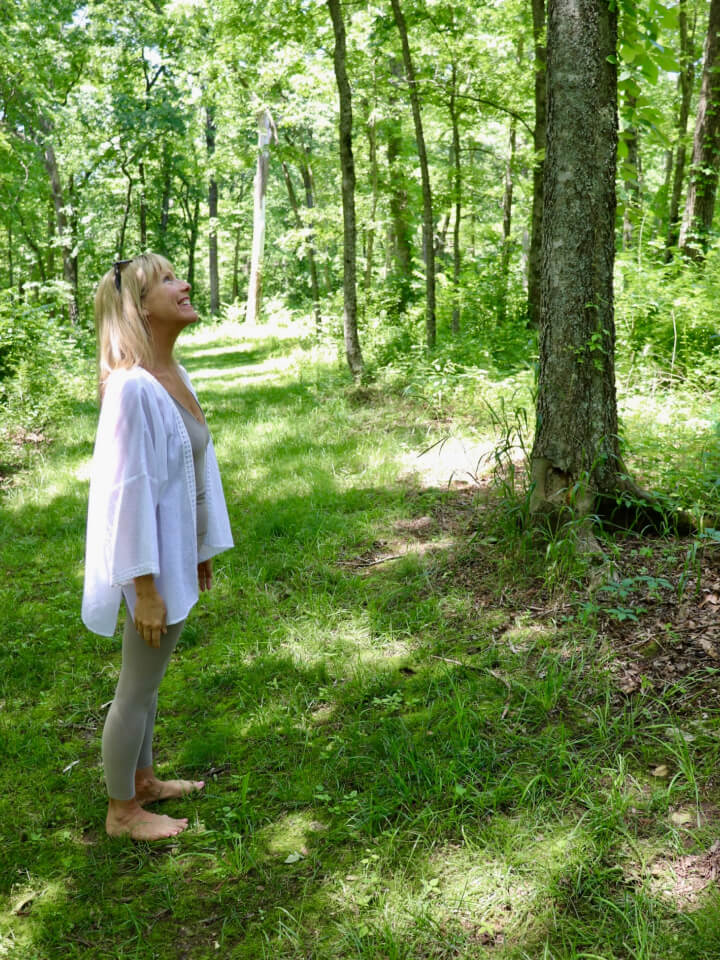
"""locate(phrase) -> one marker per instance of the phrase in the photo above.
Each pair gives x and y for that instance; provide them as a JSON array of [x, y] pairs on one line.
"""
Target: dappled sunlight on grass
[[403, 756]]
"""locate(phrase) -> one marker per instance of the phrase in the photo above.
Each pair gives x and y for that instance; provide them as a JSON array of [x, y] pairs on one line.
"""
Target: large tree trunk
[[352, 341], [210, 131], [428, 223], [266, 135], [700, 202], [575, 453], [686, 80], [539, 137]]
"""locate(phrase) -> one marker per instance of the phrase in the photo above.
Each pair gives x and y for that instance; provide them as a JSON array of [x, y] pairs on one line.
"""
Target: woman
[[156, 517]]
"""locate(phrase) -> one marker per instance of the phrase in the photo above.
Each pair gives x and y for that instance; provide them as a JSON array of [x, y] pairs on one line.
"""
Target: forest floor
[[426, 732]]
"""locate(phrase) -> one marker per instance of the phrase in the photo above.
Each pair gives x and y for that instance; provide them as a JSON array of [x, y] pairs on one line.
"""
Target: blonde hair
[[123, 333]]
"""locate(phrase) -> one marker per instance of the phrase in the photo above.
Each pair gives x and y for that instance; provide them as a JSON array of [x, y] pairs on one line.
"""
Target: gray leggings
[[128, 732]]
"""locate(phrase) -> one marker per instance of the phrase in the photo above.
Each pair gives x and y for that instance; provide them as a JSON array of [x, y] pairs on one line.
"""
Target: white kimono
[[142, 505]]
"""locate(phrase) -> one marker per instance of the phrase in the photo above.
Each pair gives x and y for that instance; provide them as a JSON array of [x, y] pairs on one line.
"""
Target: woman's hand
[[150, 612], [205, 574]]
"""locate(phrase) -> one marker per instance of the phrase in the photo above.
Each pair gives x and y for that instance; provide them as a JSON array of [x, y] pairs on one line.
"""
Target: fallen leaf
[[710, 649], [681, 817], [661, 771]]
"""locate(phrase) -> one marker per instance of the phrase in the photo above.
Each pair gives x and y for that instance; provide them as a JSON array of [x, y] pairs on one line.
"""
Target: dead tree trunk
[[575, 453], [428, 223], [352, 341], [266, 136], [700, 202]]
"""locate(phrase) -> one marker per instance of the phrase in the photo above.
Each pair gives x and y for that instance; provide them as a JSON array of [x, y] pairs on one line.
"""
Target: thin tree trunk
[[307, 178], [51, 240], [507, 221], [143, 207], [700, 202], [539, 141], [210, 131], [165, 202], [372, 157], [575, 453], [191, 209], [309, 242], [686, 80], [192, 241], [457, 197], [399, 250], [352, 341], [61, 222], [266, 135], [428, 223], [126, 214], [11, 267], [631, 174], [236, 265]]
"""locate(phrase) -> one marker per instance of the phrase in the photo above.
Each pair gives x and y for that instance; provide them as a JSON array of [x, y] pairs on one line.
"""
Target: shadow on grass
[[391, 771]]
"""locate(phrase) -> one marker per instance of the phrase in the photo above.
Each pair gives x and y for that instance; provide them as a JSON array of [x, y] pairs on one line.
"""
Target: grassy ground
[[417, 742]]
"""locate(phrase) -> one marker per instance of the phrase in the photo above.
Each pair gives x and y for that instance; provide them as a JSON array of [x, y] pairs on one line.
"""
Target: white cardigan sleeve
[[130, 471]]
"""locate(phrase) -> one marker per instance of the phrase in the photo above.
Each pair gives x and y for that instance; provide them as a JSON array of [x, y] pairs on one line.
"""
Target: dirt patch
[[684, 879]]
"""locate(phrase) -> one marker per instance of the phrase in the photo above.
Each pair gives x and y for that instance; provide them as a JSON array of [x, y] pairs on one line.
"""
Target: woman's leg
[[128, 730], [131, 717]]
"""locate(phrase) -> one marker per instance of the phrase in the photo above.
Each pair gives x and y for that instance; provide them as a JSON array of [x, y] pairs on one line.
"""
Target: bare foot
[[128, 819], [149, 791]]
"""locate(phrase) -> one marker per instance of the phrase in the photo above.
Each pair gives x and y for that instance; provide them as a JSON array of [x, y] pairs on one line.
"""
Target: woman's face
[[167, 303]]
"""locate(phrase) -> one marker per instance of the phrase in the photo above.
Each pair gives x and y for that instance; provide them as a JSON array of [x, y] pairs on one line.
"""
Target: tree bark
[[686, 80], [428, 223], [539, 140], [266, 135], [352, 341], [210, 132], [700, 202], [576, 453]]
